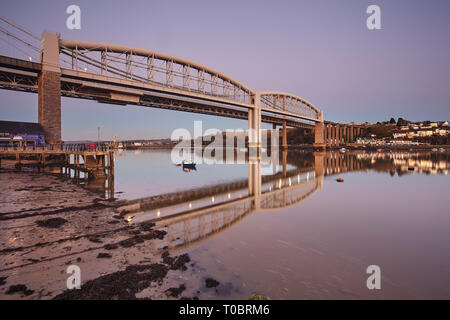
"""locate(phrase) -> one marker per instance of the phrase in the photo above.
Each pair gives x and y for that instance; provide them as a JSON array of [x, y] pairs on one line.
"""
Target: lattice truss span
[[151, 67]]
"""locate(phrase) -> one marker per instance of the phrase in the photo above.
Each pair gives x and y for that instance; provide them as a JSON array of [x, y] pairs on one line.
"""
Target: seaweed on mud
[[2, 280], [154, 234], [102, 255], [42, 244], [121, 285], [110, 246], [146, 226], [176, 263], [94, 239], [187, 298], [37, 211], [19, 288], [51, 223], [211, 283], [175, 292]]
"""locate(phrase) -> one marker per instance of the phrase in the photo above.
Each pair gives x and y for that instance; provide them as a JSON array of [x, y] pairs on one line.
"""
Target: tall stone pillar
[[351, 133], [49, 90], [338, 134], [331, 135], [254, 125], [328, 135], [344, 127]]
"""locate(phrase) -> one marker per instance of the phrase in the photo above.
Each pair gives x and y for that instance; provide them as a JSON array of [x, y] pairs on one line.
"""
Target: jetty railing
[[64, 147]]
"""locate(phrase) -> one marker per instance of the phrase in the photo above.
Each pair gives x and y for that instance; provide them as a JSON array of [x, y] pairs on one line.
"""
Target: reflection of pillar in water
[[274, 149], [254, 181], [319, 163]]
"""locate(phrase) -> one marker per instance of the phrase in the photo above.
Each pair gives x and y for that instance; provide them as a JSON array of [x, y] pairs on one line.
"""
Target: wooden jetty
[[80, 164]]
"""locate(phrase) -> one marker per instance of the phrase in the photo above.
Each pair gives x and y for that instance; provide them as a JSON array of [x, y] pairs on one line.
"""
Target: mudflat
[[48, 223]]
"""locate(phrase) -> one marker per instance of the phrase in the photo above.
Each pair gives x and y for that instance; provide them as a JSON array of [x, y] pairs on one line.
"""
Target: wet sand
[[48, 223]]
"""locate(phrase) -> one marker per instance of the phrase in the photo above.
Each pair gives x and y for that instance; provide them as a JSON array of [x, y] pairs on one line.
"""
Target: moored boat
[[187, 164]]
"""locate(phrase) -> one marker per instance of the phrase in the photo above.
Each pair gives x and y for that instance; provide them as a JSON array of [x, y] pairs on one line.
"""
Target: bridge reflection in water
[[198, 219], [196, 215]]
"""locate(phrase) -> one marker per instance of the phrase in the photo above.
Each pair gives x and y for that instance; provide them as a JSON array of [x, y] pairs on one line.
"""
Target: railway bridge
[[123, 75]]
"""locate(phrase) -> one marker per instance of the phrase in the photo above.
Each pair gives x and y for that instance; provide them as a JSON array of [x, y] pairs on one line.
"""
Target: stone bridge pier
[[49, 90], [330, 134]]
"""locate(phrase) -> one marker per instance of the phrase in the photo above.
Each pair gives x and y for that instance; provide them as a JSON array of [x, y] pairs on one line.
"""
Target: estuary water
[[291, 231]]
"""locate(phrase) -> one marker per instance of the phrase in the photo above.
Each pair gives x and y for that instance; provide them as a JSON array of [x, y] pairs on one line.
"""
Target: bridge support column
[[254, 126], [49, 90], [338, 135], [347, 134], [333, 135], [328, 135], [319, 142]]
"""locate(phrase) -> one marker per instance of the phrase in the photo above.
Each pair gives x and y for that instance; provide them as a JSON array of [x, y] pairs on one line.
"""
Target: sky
[[320, 50]]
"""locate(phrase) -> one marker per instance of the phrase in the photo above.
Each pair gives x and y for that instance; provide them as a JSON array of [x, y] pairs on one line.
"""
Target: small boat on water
[[340, 180], [188, 166]]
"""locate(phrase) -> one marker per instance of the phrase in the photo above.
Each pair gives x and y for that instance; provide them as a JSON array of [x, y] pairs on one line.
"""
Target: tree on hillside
[[392, 121], [401, 122]]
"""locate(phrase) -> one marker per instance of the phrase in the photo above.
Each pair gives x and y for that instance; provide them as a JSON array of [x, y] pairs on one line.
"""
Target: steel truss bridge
[[124, 75]]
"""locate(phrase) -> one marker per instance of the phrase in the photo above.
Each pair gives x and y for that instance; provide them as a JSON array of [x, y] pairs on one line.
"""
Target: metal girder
[[22, 75]]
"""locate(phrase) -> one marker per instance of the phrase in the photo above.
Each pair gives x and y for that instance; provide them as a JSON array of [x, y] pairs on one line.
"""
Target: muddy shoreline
[[48, 223]]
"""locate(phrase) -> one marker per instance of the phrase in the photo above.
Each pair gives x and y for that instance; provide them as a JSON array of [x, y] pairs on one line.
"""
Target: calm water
[[304, 235]]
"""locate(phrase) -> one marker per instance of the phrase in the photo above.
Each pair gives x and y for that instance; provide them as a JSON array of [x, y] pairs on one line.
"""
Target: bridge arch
[[153, 67], [290, 103]]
